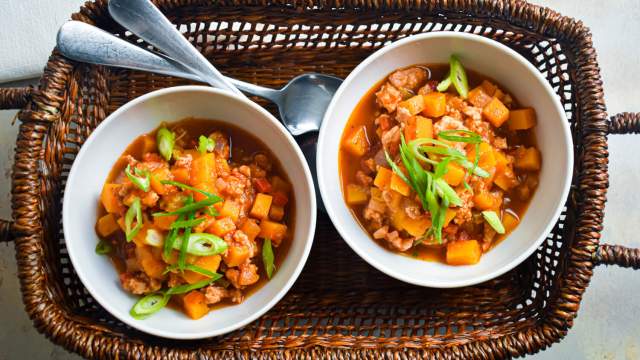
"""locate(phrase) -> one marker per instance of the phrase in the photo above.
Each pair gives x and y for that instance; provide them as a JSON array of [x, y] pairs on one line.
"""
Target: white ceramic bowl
[[509, 69], [106, 144]]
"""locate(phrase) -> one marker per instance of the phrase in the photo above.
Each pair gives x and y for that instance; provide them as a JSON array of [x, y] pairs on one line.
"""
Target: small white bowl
[[509, 69], [107, 142]]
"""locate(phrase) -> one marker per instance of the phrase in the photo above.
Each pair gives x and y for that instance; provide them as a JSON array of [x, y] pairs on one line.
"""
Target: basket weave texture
[[340, 307]]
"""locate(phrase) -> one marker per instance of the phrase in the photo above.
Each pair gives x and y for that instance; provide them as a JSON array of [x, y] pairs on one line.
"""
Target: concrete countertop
[[607, 326]]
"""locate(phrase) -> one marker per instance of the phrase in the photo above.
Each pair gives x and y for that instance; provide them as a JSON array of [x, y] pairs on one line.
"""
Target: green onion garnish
[[148, 305], [201, 244], [191, 207], [464, 136], [191, 267], [445, 83], [181, 289], [459, 77], [182, 257], [183, 224], [103, 247], [267, 257], [492, 219], [187, 187], [166, 140], [135, 211], [205, 144], [141, 179]]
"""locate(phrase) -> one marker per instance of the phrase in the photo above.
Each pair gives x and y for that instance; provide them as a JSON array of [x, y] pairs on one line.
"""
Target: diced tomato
[[263, 185]]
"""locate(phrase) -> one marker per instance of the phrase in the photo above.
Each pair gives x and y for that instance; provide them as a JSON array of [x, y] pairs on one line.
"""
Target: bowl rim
[[301, 261], [326, 188]]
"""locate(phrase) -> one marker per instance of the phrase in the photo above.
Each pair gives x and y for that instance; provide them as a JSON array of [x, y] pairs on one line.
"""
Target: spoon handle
[[142, 18], [86, 43]]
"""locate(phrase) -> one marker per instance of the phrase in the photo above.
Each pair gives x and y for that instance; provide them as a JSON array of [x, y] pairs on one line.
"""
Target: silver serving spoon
[[295, 101], [302, 102]]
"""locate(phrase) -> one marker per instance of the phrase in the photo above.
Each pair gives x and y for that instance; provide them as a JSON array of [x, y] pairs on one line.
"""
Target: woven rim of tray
[[44, 110]]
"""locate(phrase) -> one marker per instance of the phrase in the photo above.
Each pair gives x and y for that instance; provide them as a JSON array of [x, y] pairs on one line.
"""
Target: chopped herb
[[149, 305], [103, 247], [182, 289], [141, 179], [205, 144], [183, 224], [135, 211], [187, 187], [459, 77], [267, 257], [494, 220], [201, 244], [445, 83], [191, 267], [189, 208], [166, 140]]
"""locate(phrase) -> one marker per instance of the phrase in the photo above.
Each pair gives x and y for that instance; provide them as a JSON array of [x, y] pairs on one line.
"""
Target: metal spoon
[[142, 18]]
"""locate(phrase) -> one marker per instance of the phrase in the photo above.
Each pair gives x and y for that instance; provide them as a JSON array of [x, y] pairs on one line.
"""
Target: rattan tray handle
[[11, 98], [624, 123]]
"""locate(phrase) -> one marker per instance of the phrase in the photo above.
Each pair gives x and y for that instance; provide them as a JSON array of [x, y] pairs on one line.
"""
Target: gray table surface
[[607, 326]]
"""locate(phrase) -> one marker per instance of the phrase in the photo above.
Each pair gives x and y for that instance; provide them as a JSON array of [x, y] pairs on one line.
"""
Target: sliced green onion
[[166, 140], [169, 241], [492, 219], [182, 257], [183, 224], [476, 159], [442, 167], [103, 247], [142, 180], [447, 192], [148, 305], [267, 257], [202, 244], [182, 289], [193, 268], [445, 83], [154, 238], [191, 207], [211, 211], [205, 144], [459, 77], [455, 135], [187, 187], [135, 211]]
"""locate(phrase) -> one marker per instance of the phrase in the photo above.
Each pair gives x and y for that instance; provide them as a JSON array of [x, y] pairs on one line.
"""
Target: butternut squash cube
[[449, 215], [261, 206], [276, 213], [230, 209], [495, 112], [435, 104], [397, 184], [489, 87], [107, 225], [357, 143], [222, 226], [383, 177], [522, 119], [195, 305], [463, 252], [509, 221], [273, 230], [484, 200], [110, 200], [454, 175], [527, 159], [424, 127], [203, 169], [236, 255], [415, 227], [210, 263], [356, 194], [479, 97], [251, 228], [414, 104]]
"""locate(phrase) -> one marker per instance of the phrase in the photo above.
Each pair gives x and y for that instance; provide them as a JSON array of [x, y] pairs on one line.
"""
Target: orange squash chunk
[[454, 175], [397, 184], [435, 104], [463, 252], [195, 305], [236, 255], [495, 112], [221, 226], [356, 194], [230, 209], [527, 159], [203, 169], [251, 228], [210, 263], [479, 97], [522, 119], [110, 200], [424, 127], [383, 177], [357, 143], [414, 104], [261, 205], [273, 230], [107, 225]]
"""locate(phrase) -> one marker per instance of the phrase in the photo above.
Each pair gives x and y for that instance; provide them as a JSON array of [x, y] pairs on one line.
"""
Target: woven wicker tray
[[340, 307]]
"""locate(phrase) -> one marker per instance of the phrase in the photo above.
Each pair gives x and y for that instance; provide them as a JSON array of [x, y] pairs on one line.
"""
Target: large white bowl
[[106, 144], [509, 69]]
